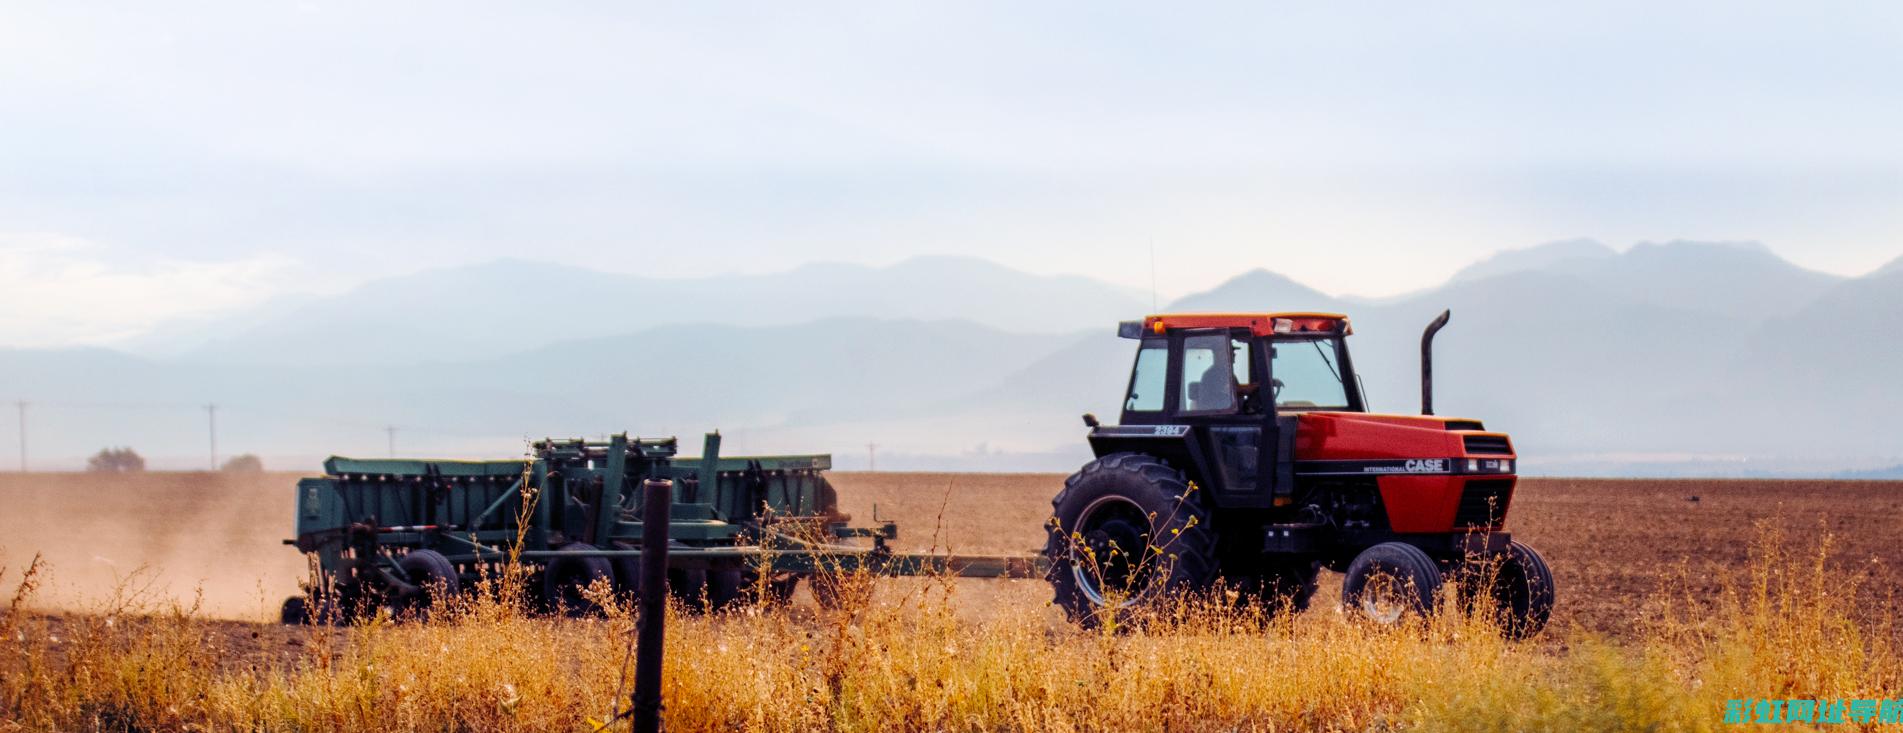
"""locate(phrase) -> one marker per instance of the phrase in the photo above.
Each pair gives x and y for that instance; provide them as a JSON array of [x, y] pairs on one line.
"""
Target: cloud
[[60, 290]]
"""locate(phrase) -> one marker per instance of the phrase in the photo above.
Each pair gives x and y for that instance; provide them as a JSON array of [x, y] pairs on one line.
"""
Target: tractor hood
[[1430, 422], [1359, 435]]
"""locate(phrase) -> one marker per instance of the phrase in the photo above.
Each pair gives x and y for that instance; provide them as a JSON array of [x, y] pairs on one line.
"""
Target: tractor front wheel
[[1389, 582], [1522, 592], [1126, 533]]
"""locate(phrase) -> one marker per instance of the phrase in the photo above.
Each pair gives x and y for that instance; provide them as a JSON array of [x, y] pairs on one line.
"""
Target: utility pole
[[872, 456], [390, 432], [211, 428], [22, 405]]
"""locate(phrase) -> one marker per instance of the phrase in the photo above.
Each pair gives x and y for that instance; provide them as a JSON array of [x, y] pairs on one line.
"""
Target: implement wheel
[[1390, 582], [781, 586], [1127, 534], [688, 587], [564, 579], [433, 575], [296, 611], [627, 573], [725, 589]]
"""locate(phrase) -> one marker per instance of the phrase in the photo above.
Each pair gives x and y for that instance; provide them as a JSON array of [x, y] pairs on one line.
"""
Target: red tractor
[[1247, 455]]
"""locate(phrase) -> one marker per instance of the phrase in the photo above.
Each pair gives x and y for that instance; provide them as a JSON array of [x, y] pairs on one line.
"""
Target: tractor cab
[[1226, 366], [1227, 392]]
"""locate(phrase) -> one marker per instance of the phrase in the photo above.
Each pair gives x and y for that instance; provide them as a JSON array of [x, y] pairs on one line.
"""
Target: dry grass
[[906, 661], [1780, 615]]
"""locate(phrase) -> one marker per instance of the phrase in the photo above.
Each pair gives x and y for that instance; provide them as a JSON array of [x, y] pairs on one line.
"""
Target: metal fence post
[[649, 636]]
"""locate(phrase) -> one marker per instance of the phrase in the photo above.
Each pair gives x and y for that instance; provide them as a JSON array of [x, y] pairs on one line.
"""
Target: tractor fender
[[1177, 445]]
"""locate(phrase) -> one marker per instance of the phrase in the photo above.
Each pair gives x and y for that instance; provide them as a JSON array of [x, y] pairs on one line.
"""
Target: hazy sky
[[176, 158]]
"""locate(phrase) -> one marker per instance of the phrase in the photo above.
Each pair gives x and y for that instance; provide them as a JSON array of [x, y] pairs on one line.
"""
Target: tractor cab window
[[1215, 372], [1148, 378], [1307, 374]]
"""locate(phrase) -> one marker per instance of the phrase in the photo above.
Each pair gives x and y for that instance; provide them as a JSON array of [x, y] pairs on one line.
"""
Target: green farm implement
[[395, 533]]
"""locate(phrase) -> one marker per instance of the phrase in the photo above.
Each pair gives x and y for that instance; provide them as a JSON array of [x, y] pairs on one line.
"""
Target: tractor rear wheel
[[1127, 533], [1389, 582]]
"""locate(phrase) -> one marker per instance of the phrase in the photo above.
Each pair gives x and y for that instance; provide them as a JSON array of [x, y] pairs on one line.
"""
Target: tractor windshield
[[1308, 375]]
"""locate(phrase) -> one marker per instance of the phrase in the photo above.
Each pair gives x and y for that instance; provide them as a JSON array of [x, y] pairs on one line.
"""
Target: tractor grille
[[1490, 444], [1484, 503]]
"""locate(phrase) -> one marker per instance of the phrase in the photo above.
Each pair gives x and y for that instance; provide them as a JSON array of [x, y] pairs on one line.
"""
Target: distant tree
[[247, 463], [115, 460]]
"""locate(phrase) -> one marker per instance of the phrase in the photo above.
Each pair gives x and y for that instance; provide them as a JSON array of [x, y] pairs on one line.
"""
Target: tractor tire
[[433, 574], [1523, 592], [1389, 582], [1108, 517], [564, 578]]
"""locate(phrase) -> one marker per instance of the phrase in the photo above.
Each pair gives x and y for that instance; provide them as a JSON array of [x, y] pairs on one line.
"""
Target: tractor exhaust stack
[[1427, 361]]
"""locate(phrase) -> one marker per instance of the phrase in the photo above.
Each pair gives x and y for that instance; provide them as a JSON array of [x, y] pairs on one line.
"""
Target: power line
[[872, 456], [391, 430]]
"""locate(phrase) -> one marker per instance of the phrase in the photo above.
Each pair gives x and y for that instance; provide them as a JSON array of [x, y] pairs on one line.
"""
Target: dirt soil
[[1613, 544]]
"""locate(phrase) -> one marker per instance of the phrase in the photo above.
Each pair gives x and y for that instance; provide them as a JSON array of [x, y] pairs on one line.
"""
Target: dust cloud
[[211, 538]]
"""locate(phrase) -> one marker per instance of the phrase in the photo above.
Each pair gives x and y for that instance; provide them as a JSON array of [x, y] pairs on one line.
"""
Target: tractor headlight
[[1486, 465]]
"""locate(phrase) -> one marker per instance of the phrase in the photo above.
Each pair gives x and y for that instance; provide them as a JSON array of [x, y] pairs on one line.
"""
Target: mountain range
[[458, 313], [1675, 358]]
